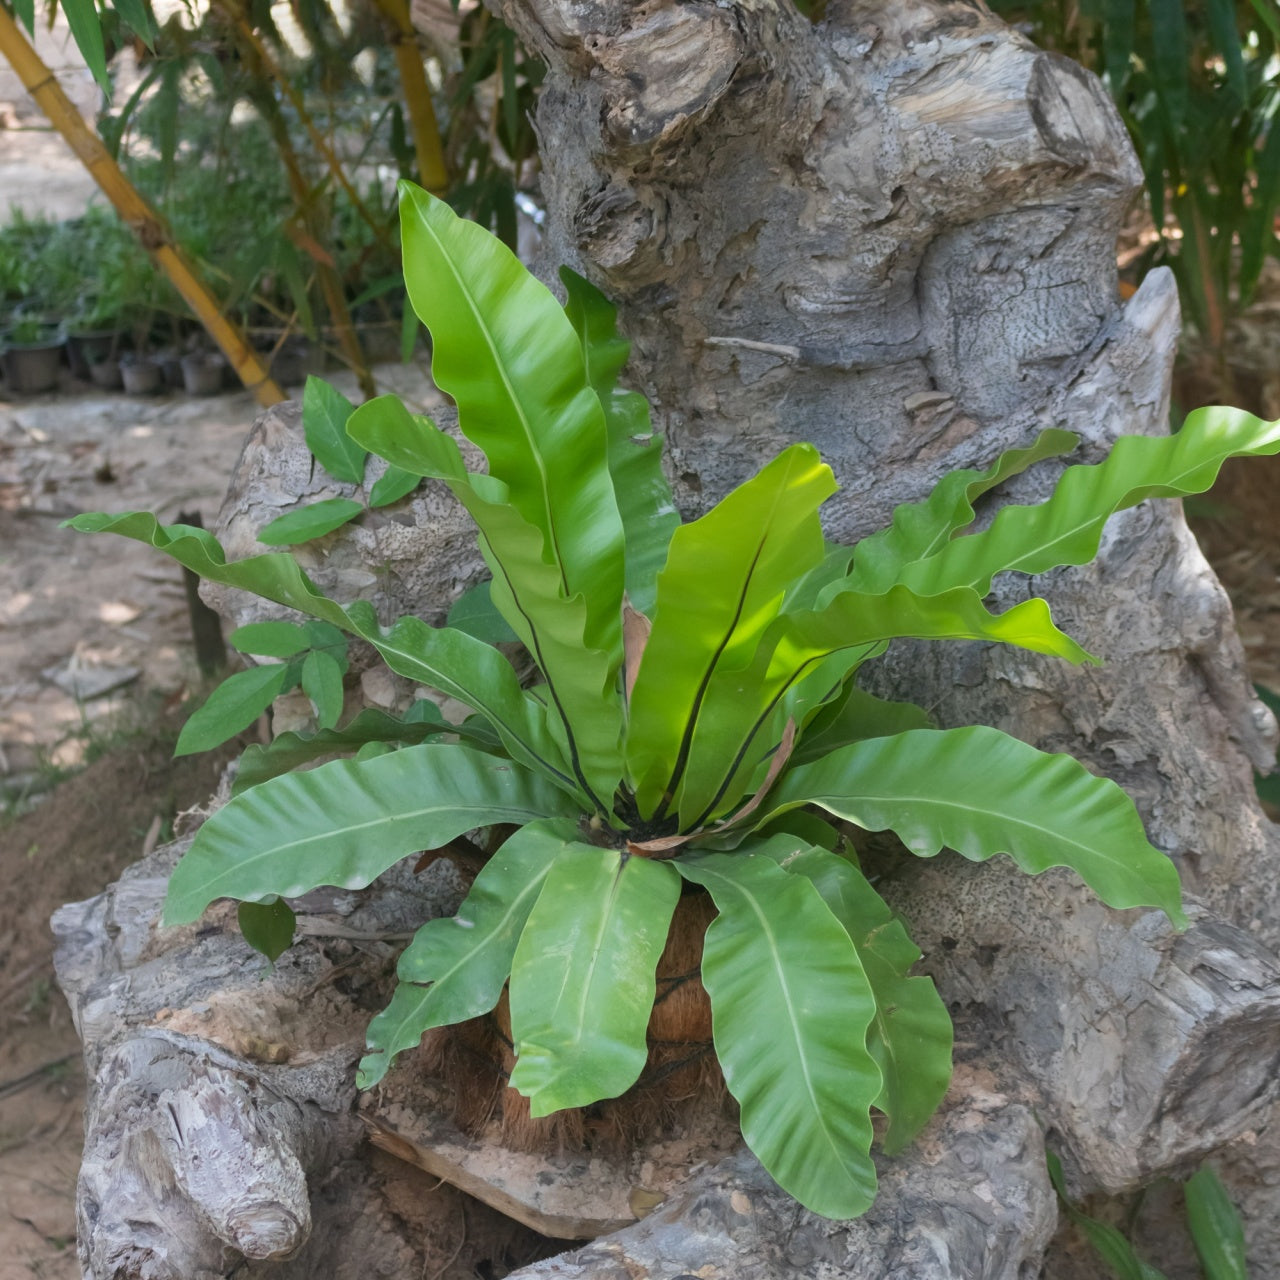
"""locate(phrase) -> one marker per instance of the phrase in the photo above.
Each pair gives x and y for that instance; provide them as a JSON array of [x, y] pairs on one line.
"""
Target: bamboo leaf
[[724, 583], [981, 792], [1215, 1226], [504, 350], [270, 639], [267, 926], [1170, 58], [232, 707], [287, 751], [346, 822], [458, 665], [86, 29], [311, 521], [582, 979], [322, 683], [139, 18], [790, 1006], [325, 411], [649, 515], [25, 10], [1118, 28], [807, 652], [1067, 528], [910, 1035], [1226, 37], [921, 529], [455, 967]]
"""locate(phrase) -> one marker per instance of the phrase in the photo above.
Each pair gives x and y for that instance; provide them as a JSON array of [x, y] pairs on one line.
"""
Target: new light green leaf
[[325, 411], [455, 967], [724, 583], [910, 1035], [790, 1009], [1067, 528], [920, 529], [1216, 1229], [505, 351], [456, 664], [345, 823], [309, 522], [980, 792], [649, 515], [233, 706], [582, 979], [793, 669], [290, 750]]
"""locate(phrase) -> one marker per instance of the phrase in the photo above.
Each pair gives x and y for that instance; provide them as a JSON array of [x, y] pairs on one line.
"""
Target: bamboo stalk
[[432, 169], [326, 272], [147, 225]]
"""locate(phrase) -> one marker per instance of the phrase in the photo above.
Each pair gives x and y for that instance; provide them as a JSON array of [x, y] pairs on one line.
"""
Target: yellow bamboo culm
[[43, 86], [417, 98]]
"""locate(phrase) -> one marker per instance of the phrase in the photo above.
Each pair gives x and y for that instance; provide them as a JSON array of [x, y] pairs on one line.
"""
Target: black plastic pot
[[202, 373], [142, 376], [87, 347], [31, 367]]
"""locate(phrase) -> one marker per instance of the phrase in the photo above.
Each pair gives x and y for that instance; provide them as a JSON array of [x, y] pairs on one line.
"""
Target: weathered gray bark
[[893, 235]]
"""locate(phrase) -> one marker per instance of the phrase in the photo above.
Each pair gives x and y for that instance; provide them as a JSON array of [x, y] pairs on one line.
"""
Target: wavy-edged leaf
[[582, 979], [1067, 527], [910, 1036], [790, 1009], [290, 750], [724, 583], [1216, 1229], [505, 351], [270, 639], [649, 515], [233, 706], [325, 411], [312, 521], [455, 967], [392, 485], [475, 613], [346, 822], [528, 593], [853, 717], [456, 664], [267, 926], [807, 652], [920, 529], [322, 683], [980, 792]]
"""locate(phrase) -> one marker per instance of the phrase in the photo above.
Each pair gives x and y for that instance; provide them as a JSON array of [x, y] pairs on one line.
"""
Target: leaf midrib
[[797, 1039], [521, 416]]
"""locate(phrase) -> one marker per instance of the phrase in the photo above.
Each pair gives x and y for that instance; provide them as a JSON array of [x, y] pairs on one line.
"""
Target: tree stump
[[892, 234]]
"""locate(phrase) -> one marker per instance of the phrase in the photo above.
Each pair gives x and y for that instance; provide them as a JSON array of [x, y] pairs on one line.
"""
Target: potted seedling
[[31, 351]]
